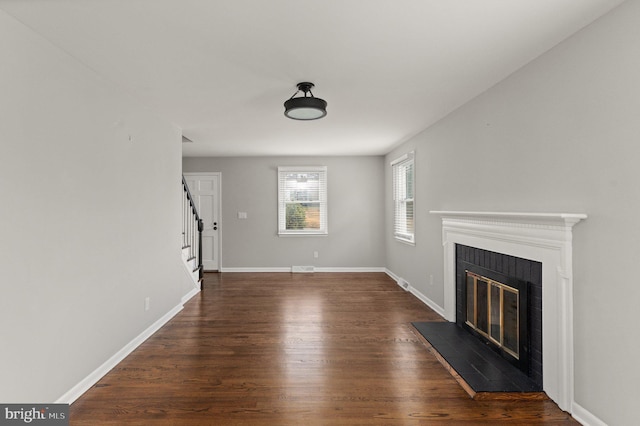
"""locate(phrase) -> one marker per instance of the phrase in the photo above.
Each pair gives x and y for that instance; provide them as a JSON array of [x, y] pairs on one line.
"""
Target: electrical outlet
[[147, 303], [430, 279], [315, 254], [242, 215]]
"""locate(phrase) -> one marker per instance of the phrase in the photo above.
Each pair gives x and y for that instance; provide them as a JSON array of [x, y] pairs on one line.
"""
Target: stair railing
[[192, 227]]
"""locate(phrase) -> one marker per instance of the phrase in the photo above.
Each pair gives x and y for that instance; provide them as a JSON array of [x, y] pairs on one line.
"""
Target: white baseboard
[[257, 269], [189, 295], [411, 289], [585, 417], [84, 385], [316, 269], [350, 269], [392, 275], [424, 299]]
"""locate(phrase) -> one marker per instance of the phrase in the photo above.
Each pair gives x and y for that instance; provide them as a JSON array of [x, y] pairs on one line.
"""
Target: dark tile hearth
[[474, 361]]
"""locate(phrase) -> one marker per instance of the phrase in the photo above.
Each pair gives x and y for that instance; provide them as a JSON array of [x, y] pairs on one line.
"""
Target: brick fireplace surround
[[541, 237]]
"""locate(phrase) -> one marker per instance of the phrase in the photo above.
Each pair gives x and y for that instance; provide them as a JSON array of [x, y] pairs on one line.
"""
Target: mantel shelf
[[564, 218]]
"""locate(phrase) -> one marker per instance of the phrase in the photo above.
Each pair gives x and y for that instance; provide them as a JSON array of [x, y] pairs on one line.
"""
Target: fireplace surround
[[540, 237]]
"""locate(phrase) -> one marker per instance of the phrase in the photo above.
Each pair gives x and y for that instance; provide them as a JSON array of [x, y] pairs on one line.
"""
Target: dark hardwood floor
[[294, 349]]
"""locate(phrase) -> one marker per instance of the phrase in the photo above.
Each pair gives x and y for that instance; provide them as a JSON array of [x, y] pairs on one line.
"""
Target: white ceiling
[[221, 69]]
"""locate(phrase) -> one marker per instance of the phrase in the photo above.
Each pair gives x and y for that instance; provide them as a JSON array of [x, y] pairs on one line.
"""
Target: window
[[302, 200], [403, 190]]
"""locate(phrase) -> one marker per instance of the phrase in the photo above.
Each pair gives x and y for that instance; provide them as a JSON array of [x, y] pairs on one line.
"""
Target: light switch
[[242, 215]]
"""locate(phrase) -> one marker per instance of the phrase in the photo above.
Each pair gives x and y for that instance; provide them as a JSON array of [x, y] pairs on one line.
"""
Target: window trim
[[323, 199], [408, 158]]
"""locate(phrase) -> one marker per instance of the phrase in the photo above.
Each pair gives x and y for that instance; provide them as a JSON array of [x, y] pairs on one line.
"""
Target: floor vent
[[404, 284], [302, 269]]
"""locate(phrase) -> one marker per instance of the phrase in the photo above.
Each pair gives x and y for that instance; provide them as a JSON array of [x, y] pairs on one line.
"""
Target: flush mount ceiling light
[[305, 107]]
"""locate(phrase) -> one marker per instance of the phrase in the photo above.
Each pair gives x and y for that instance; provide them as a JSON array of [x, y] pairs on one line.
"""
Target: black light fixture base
[[305, 87], [305, 107]]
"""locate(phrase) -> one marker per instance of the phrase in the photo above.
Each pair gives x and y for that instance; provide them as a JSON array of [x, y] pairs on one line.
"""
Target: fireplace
[[499, 300], [542, 237]]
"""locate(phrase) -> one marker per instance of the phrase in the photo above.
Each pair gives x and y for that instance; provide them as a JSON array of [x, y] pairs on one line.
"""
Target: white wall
[[89, 219], [560, 135], [250, 184]]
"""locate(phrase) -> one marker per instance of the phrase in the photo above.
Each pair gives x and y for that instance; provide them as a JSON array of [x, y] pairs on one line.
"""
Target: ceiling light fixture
[[305, 107]]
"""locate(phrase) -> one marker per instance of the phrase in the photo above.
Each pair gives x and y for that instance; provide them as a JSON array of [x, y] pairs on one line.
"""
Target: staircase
[[192, 227]]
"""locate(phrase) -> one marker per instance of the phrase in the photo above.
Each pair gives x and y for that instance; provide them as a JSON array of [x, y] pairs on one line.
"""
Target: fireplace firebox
[[499, 300]]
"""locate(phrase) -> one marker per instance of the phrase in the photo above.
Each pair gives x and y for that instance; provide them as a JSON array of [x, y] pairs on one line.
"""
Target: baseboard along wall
[[85, 384]]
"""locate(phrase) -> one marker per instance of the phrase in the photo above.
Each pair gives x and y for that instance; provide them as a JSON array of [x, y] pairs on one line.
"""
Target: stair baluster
[[192, 227]]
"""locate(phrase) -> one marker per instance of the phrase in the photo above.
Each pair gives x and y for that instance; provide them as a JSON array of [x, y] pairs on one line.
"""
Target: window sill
[[406, 242], [303, 234]]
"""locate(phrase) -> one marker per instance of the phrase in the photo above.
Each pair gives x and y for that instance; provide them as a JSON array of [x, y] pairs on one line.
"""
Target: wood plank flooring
[[294, 349]]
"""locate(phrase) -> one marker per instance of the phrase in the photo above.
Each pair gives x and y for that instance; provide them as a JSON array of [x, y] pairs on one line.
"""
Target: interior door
[[205, 190]]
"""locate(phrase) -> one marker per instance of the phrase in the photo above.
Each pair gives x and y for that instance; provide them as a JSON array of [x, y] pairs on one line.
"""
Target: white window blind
[[403, 201], [302, 200]]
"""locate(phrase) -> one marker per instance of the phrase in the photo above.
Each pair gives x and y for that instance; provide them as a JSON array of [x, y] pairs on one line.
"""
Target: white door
[[205, 190]]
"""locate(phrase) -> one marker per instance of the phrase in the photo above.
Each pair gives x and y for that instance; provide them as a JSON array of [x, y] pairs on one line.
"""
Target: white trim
[[525, 218], [542, 237], [190, 295], [424, 299], [585, 417], [407, 156], [302, 168], [404, 241], [188, 268], [323, 201], [300, 234], [303, 234], [85, 384], [257, 269], [399, 218], [419, 295], [316, 269], [392, 275], [356, 269], [218, 210]]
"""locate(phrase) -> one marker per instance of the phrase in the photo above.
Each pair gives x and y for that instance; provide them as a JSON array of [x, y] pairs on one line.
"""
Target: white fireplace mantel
[[542, 237], [548, 218]]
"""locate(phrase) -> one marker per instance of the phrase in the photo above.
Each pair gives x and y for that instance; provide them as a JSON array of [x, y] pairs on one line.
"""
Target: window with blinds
[[403, 193], [302, 200]]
